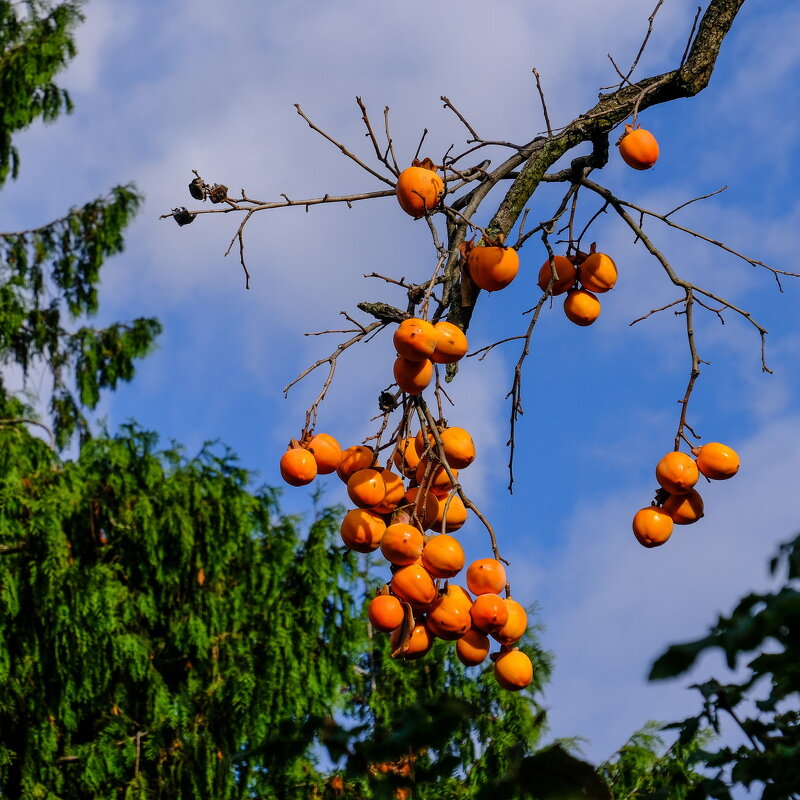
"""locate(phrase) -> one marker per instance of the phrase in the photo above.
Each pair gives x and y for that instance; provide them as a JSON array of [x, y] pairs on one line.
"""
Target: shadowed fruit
[[684, 508], [362, 530], [413, 376], [489, 613], [366, 488], [516, 626], [395, 491], [448, 617], [402, 544], [420, 641], [455, 516], [353, 459], [597, 273], [472, 648], [414, 585], [565, 270]]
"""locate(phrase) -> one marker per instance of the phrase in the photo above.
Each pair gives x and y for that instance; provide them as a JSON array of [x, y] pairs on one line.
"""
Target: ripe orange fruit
[[448, 618], [638, 148], [456, 513], [413, 585], [419, 188], [597, 273], [419, 643], [489, 613], [402, 544], [486, 575], [516, 626], [366, 488], [327, 452], [395, 491], [451, 344], [565, 270], [413, 376], [415, 339], [298, 467], [513, 670], [717, 461], [677, 472], [362, 530], [458, 447], [581, 307], [443, 556], [353, 459], [405, 457], [684, 508], [420, 440], [472, 648], [652, 526], [492, 268], [385, 612]]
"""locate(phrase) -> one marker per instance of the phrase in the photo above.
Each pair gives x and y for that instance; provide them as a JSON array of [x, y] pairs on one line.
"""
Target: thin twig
[[544, 104]]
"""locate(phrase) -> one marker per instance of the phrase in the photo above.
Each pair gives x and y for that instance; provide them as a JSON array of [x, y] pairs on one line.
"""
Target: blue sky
[[165, 87]]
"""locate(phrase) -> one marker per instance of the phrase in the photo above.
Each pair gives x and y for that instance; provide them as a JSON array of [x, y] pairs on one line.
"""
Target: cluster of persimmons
[[410, 509], [677, 501]]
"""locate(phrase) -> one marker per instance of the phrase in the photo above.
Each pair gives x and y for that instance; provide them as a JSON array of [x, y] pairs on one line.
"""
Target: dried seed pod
[[183, 216]]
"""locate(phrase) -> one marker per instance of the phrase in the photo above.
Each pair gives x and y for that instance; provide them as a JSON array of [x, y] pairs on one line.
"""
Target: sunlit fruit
[[402, 544], [443, 556], [326, 451], [492, 268], [581, 307], [366, 488], [717, 461], [565, 270], [448, 618], [414, 585], [516, 626], [385, 612], [486, 575], [419, 188], [684, 508], [451, 343], [413, 376], [652, 526], [354, 458], [362, 530], [489, 613], [472, 648], [415, 339], [513, 670], [298, 467], [395, 491], [458, 447], [677, 472], [638, 148], [597, 273]]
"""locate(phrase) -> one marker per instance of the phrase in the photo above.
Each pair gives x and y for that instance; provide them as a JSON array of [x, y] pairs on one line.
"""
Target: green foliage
[[157, 621], [36, 42], [763, 631], [644, 769]]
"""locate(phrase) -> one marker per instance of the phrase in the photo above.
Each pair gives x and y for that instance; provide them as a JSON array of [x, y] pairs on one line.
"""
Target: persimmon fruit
[[638, 148], [415, 339], [486, 575], [366, 488], [448, 618], [362, 530], [413, 376], [354, 458], [458, 447], [419, 642], [717, 461], [451, 343], [327, 452], [414, 585], [684, 509], [489, 612], [298, 467], [597, 273], [565, 270], [677, 472], [385, 613], [581, 307], [513, 670], [402, 544], [517, 623], [443, 556], [492, 268], [652, 526], [472, 648], [419, 188], [452, 512]]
